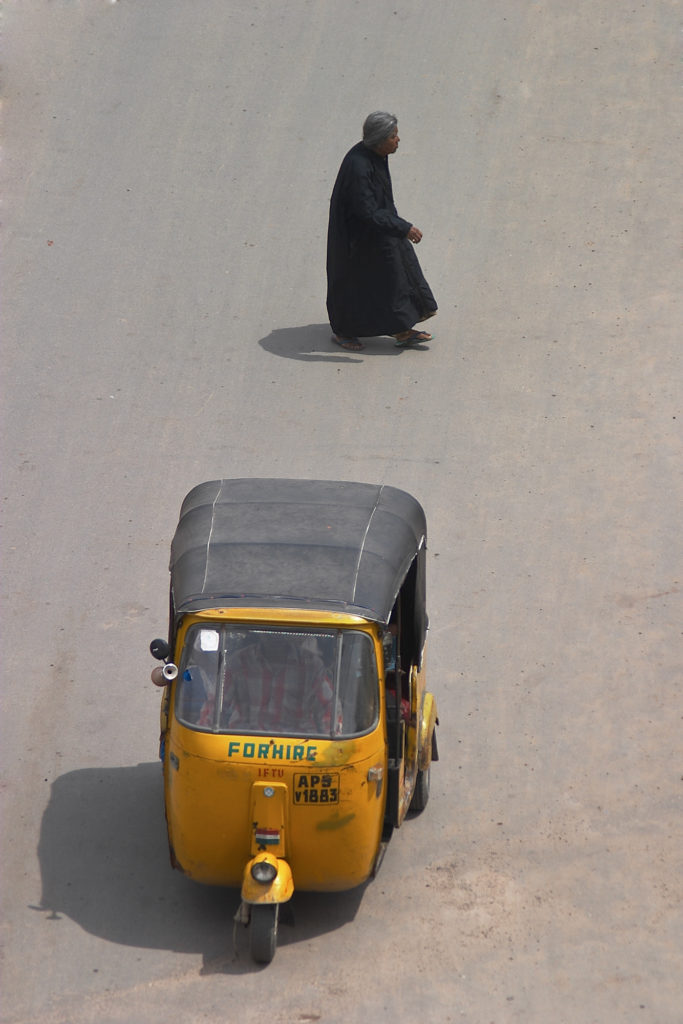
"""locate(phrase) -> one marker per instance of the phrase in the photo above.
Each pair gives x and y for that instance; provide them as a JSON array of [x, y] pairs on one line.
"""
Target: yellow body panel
[[210, 802]]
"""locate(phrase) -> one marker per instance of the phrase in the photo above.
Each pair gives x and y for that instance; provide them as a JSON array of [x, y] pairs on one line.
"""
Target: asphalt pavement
[[167, 170]]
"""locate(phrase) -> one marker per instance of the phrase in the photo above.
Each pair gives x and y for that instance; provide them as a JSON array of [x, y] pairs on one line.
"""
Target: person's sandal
[[350, 344], [407, 338]]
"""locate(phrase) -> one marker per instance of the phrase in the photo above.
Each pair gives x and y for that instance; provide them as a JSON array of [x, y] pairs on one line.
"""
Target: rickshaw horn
[[162, 676]]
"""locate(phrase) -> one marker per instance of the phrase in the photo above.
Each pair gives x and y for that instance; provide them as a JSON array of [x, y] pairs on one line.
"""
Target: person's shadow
[[312, 344], [104, 863]]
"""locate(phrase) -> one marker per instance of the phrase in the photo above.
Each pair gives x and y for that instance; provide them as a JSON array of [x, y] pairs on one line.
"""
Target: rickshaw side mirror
[[160, 650]]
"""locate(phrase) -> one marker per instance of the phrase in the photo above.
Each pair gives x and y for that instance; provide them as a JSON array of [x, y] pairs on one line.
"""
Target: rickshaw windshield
[[277, 682]]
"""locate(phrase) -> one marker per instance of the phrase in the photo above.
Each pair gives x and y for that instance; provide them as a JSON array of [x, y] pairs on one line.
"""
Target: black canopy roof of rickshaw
[[317, 544]]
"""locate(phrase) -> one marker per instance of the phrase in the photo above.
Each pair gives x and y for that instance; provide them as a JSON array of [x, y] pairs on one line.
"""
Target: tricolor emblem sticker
[[267, 836]]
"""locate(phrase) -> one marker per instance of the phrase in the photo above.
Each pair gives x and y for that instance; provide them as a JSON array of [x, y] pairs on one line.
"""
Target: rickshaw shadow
[[104, 863], [312, 344]]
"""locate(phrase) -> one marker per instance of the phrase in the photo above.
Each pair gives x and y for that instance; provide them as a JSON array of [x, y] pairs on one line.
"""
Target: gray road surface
[[167, 169]]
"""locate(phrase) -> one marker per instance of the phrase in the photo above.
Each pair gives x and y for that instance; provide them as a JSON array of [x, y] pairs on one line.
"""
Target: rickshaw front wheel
[[263, 931]]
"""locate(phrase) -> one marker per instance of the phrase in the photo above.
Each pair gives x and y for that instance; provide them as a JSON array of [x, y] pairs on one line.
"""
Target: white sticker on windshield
[[208, 639]]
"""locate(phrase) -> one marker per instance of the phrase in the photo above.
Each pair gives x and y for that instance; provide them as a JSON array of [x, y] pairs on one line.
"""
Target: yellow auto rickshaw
[[296, 730]]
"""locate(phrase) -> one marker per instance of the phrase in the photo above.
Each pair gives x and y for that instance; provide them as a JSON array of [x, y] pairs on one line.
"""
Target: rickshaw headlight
[[263, 871]]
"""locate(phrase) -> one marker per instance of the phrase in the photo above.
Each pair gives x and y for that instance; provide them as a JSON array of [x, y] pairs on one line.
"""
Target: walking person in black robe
[[374, 282]]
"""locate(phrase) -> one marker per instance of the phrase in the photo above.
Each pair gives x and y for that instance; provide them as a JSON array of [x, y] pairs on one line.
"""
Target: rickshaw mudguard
[[280, 890], [427, 725]]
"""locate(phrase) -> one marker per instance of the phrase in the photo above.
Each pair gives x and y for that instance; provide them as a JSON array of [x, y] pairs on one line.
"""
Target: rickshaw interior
[[328, 681]]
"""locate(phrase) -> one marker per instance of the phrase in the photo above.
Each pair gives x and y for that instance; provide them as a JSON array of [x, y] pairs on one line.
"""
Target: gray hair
[[377, 127]]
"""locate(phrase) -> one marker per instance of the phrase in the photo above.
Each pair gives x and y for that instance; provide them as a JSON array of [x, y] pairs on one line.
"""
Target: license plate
[[315, 789]]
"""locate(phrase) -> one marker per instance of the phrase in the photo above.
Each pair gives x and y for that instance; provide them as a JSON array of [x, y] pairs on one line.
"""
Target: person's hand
[[414, 235]]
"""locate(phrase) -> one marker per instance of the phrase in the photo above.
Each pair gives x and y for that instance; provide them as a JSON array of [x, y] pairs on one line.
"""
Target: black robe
[[374, 281]]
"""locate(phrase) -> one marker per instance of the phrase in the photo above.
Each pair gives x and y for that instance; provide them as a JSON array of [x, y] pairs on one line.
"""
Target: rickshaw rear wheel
[[421, 792], [263, 932]]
